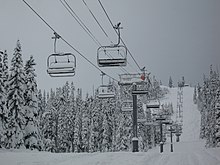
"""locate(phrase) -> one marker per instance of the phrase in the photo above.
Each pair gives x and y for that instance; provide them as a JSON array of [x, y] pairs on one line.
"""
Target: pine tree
[[72, 118], [195, 96], [144, 134], [3, 108], [16, 101], [53, 120], [203, 101], [47, 123], [217, 115], [67, 119], [199, 97], [41, 108], [94, 137], [108, 110], [115, 119], [5, 72], [123, 123], [213, 85], [32, 136], [58, 107], [183, 81], [89, 105], [78, 135], [124, 133], [170, 82]]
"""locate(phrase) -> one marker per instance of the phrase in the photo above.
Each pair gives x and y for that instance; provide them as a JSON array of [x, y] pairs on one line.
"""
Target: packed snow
[[189, 151]]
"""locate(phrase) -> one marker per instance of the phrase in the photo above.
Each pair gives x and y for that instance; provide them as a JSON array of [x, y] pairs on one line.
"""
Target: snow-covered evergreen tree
[[203, 102], [96, 112], [217, 115], [79, 133], [108, 124], [87, 125], [183, 81], [199, 97], [214, 85], [15, 98], [41, 107], [71, 117], [3, 108], [5, 72], [195, 95], [47, 123], [144, 134], [124, 133], [170, 82], [67, 119], [32, 136]]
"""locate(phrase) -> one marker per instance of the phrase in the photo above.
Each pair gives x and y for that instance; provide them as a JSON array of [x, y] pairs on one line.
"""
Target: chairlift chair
[[129, 79], [61, 65], [112, 56], [154, 104], [127, 106], [106, 91]]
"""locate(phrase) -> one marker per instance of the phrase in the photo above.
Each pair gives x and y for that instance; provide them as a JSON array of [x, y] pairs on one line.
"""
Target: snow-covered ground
[[189, 151]]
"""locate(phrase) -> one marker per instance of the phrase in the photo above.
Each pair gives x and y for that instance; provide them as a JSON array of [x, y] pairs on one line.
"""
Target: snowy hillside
[[189, 151]]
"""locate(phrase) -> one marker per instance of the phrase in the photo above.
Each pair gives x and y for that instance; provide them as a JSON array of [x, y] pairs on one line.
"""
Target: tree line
[[207, 97]]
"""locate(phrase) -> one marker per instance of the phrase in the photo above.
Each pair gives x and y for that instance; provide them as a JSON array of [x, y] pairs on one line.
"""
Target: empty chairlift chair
[[114, 55], [154, 104], [127, 106], [61, 65], [106, 91]]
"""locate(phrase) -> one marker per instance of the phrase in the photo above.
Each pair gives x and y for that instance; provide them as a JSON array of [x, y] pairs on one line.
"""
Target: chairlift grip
[[56, 36], [117, 27]]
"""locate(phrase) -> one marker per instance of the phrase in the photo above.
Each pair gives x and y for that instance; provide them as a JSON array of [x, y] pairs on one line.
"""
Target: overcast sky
[[169, 37]]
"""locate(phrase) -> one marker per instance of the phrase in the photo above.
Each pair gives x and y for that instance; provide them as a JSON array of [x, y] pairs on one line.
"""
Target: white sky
[[169, 37]]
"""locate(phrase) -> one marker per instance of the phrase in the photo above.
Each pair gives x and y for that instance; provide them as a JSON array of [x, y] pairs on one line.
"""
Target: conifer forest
[[61, 120]]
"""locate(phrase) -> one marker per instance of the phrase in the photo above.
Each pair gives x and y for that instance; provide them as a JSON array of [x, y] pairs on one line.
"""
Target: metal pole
[[161, 137], [160, 119], [171, 140], [135, 139]]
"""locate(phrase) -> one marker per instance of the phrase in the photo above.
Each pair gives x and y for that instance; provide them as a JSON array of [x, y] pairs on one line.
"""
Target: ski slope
[[189, 151]]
